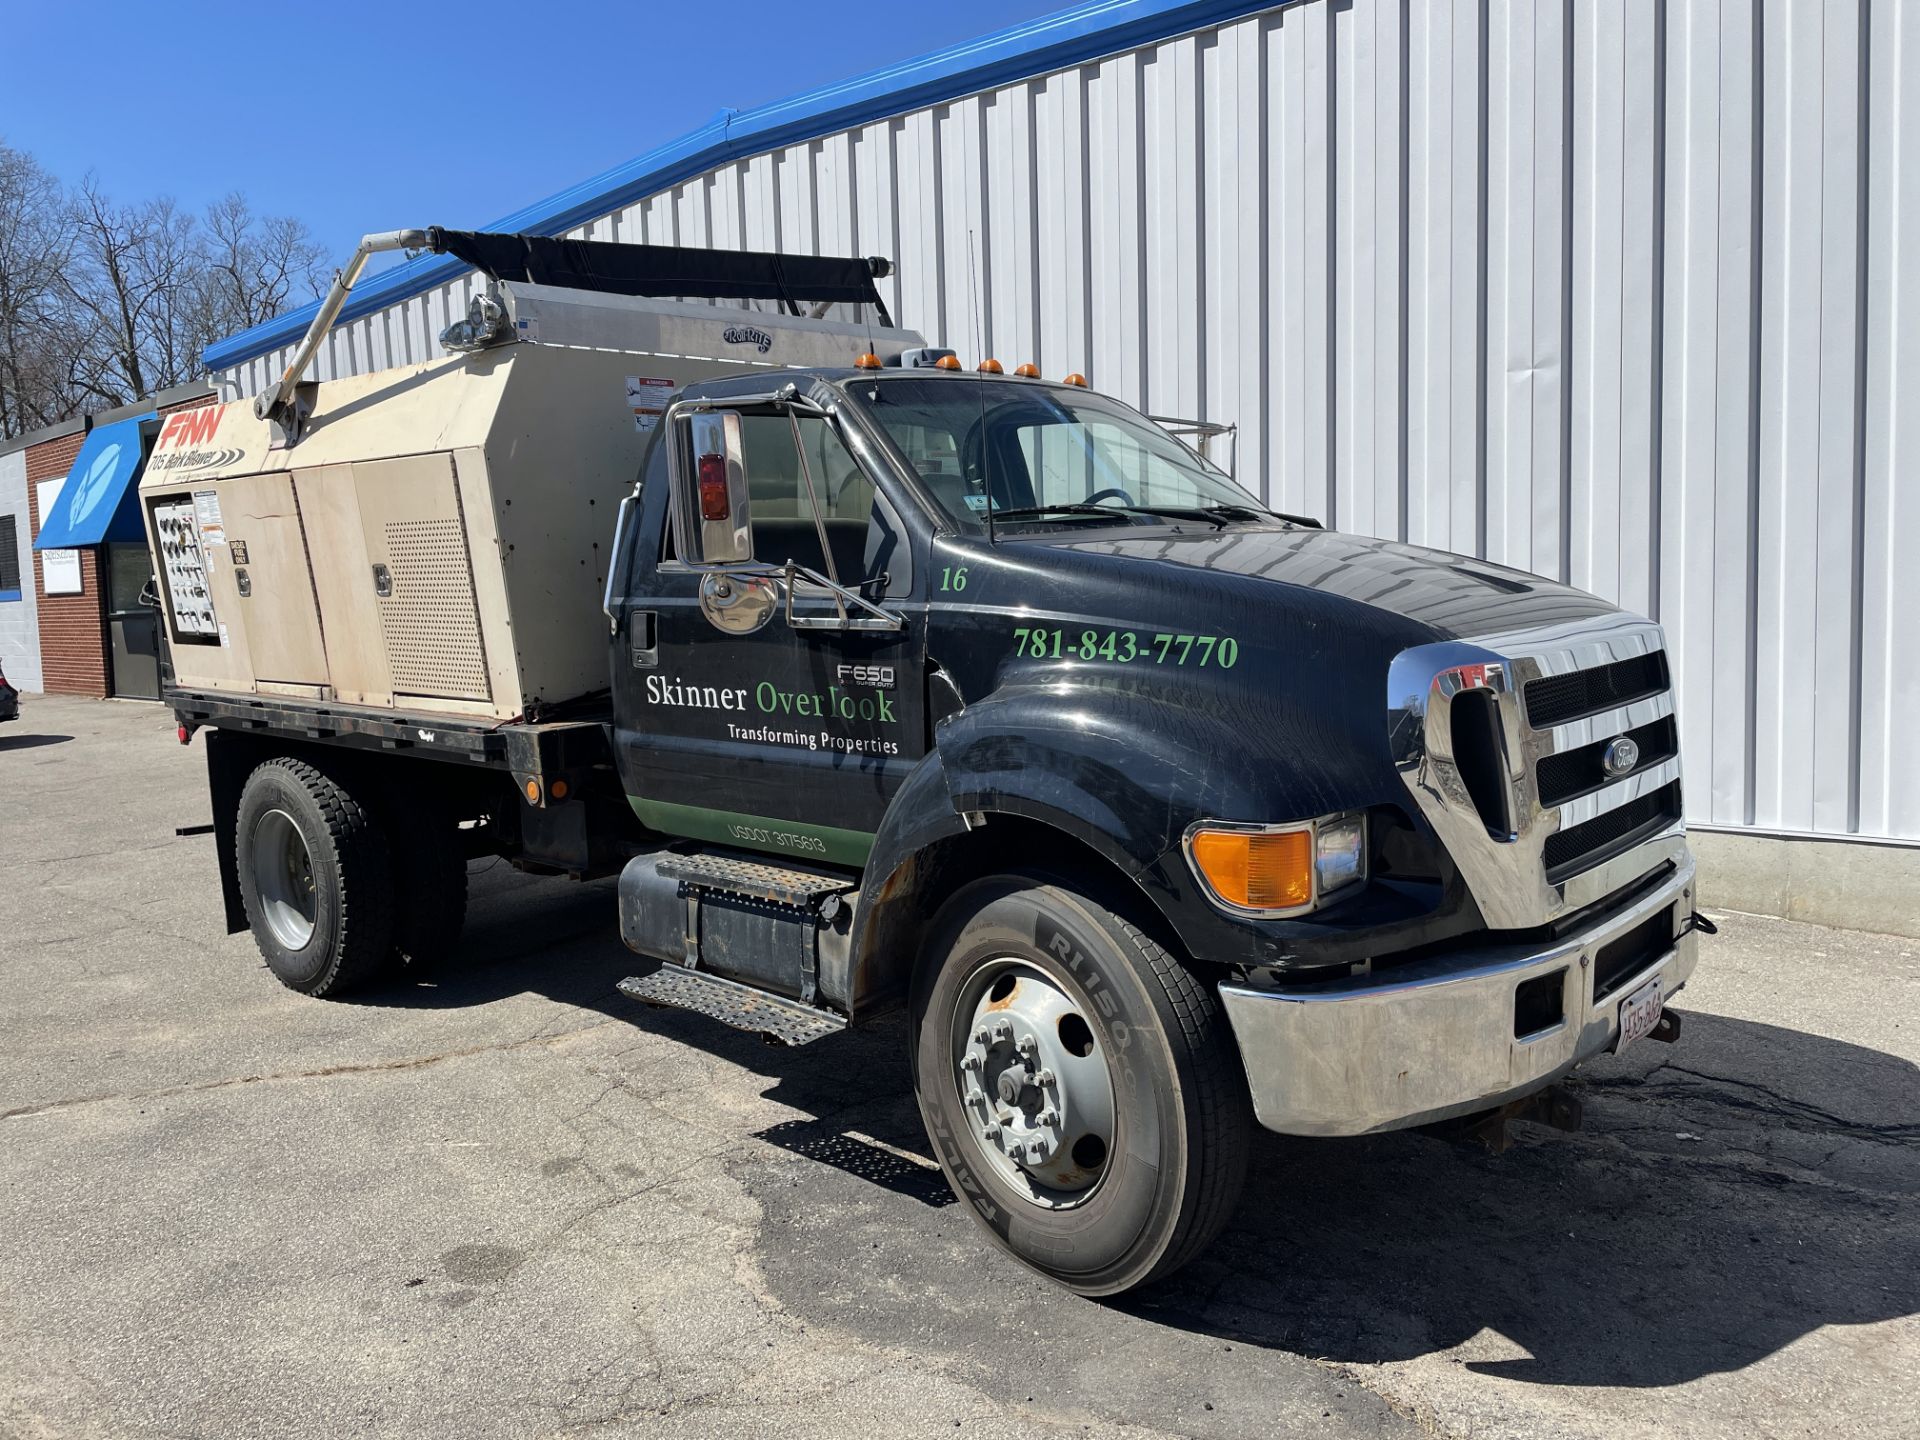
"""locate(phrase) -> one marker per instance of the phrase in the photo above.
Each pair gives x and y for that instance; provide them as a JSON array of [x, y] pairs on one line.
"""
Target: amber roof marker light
[[1028, 371], [1076, 378], [991, 366], [947, 362], [868, 361]]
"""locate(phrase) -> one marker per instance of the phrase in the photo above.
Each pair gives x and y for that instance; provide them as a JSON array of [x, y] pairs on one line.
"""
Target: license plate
[[1639, 1013]]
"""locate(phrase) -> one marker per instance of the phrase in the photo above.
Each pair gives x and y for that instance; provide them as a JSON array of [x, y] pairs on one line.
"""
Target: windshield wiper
[[1216, 514], [1073, 507]]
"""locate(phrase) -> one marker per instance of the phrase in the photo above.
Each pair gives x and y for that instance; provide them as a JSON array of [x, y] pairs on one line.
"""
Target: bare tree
[[252, 266], [35, 336], [129, 265], [102, 303]]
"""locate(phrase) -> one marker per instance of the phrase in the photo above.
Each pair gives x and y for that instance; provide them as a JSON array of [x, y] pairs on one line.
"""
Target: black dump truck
[[1162, 815]]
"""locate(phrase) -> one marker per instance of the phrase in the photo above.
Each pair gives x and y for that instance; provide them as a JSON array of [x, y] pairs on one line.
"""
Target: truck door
[[739, 727]]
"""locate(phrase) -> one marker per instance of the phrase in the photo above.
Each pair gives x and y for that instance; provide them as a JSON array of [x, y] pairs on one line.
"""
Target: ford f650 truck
[[1161, 814]]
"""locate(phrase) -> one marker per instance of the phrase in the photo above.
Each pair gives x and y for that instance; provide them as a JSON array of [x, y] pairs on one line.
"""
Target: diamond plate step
[[732, 1003], [802, 888]]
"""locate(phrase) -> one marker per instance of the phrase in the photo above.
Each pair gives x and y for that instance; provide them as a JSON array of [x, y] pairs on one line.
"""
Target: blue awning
[[98, 502]]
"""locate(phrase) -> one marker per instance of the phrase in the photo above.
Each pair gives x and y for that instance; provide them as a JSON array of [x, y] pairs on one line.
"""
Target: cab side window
[[783, 513]]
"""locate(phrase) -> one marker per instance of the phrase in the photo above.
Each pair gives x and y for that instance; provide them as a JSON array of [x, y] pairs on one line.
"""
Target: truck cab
[[1103, 748]]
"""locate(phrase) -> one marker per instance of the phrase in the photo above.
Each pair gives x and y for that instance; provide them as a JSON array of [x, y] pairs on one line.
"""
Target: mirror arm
[[875, 619], [819, 517]]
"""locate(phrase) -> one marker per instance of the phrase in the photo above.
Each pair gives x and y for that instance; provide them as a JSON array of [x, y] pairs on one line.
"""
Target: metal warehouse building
[[1625, 293]]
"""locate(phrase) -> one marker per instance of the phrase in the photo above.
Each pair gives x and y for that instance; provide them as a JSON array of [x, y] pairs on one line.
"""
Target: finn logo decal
[[182, 438], [1620, 756], [748, 335]]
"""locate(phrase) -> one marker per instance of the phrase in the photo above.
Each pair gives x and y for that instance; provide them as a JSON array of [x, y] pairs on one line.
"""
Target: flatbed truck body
[[887, 687]]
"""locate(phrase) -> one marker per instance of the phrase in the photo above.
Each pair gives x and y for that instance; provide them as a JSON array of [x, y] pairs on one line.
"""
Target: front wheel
[[1079, 1085]]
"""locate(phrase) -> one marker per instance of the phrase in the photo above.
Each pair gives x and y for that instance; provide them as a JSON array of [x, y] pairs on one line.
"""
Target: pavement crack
[[325, 1072], [1774, 1105]]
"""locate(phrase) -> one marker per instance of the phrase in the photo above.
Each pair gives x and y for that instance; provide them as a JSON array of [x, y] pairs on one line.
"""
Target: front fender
[[1125, 773], [1125, 779]]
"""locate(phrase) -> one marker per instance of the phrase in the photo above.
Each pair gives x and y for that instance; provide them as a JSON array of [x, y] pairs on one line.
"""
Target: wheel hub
[[283, 870], [1034, 1082]]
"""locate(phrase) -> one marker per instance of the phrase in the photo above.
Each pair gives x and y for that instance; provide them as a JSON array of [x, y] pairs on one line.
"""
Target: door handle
[[644, 633]]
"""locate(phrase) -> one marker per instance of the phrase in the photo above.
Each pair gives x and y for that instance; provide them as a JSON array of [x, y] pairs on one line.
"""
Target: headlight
[[1278, 870], [1340, 852]]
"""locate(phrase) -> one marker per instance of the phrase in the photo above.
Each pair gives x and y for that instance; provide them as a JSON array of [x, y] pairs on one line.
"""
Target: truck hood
[[1452, 596]]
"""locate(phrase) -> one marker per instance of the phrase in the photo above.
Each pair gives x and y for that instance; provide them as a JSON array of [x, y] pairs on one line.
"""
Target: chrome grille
[[1579, 693], [1502, 741]]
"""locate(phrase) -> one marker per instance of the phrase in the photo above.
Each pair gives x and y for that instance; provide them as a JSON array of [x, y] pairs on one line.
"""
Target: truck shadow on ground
[[1729, 1195]]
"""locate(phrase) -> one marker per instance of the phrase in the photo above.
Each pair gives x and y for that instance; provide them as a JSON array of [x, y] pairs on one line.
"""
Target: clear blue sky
[[418, 114]]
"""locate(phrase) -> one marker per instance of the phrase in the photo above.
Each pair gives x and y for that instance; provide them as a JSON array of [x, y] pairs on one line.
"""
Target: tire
[[1092, 991], [314, 877], [430, 891]]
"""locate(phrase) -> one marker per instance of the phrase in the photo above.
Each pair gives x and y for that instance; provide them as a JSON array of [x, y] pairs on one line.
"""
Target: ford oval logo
[[1620, 756]]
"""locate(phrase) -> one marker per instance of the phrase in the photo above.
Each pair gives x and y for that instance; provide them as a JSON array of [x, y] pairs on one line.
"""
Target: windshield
[[1042, 455]]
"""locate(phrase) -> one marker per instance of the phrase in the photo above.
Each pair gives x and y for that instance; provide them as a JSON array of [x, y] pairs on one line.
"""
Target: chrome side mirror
[[708, 464]]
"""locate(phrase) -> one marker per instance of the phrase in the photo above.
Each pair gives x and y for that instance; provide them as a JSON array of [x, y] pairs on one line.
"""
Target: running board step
[[744, 1008], [729, 875]]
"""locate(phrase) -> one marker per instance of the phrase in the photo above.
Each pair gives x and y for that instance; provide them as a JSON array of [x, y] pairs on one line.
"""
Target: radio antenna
[[980, 377]]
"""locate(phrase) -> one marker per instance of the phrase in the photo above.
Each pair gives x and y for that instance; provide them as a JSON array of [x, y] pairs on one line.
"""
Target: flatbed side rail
[[438, 736]]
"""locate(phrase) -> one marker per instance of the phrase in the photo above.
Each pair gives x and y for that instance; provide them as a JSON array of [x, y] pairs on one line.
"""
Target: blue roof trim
[[1053, 42]]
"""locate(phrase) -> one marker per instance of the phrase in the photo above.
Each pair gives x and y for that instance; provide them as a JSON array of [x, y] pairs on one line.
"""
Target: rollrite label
[[748, 335]]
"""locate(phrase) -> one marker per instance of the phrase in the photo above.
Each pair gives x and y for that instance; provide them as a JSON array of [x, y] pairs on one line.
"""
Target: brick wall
[[73, 628]]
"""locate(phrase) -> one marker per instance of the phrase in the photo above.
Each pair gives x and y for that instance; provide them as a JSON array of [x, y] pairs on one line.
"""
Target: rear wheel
[[313, 869], [1078, 1083]]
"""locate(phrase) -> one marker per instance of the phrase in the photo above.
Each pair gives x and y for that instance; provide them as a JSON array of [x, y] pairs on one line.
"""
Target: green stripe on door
[[756, 832]]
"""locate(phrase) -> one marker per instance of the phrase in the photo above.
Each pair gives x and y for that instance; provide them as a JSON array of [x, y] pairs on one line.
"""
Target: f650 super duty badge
[[873, 677]]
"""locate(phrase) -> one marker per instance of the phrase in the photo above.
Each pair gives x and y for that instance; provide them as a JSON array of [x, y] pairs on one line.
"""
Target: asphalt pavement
[[510, 1202]]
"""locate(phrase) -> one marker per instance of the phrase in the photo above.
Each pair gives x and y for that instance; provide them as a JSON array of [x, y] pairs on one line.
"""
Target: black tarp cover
[[663, 271]]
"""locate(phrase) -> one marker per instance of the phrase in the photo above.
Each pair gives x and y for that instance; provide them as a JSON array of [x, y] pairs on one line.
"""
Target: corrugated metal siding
[[1616, 292]]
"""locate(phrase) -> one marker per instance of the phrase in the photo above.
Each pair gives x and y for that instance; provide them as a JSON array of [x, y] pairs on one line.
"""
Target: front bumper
[[1435, 1039]]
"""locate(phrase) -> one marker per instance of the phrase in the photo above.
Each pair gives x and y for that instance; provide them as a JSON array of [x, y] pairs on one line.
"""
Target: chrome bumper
[[1435, 1039]]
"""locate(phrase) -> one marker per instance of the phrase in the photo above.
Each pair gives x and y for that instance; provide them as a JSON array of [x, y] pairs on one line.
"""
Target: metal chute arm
[[273, 403], [657, 271]]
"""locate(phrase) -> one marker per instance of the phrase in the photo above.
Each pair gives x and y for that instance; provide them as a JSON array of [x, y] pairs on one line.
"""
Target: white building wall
[[1623, 292], [19, 619]]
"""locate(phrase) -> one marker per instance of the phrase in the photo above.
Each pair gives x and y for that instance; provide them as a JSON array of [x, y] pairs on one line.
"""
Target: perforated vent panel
[[429, 621]]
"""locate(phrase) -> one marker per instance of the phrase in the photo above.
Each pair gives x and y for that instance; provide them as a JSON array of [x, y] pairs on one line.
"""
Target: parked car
[[9, 698]]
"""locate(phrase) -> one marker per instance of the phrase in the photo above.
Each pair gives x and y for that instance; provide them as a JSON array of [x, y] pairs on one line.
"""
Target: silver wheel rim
[[1031, 1071], [283, 870]]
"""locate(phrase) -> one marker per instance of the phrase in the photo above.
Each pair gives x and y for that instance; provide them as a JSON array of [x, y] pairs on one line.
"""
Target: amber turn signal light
[[1256, 870]]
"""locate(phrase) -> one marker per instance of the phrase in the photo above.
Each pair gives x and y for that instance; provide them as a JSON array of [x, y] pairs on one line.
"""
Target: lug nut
[[1028, 1044], [1044, 1077], [1036, 1154], [982, 1036], [1049, 1117], [970, 1061], [1003, 1030], [990, 1131]]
